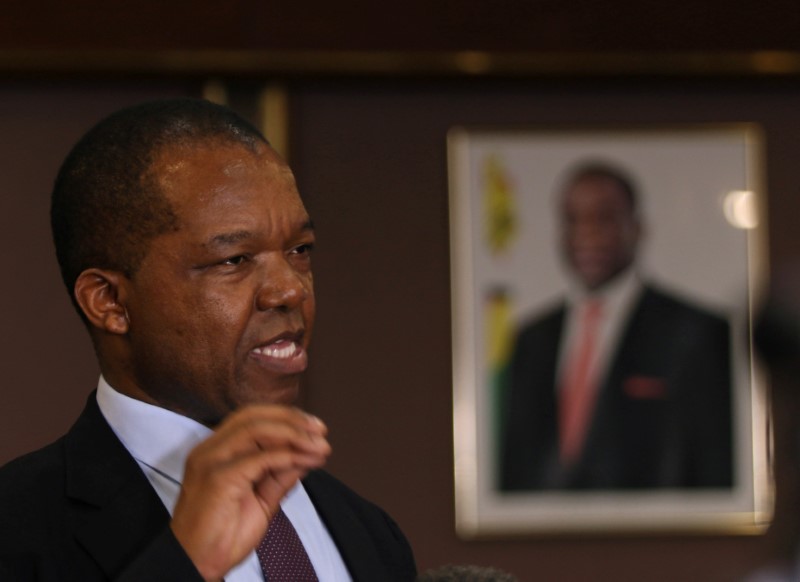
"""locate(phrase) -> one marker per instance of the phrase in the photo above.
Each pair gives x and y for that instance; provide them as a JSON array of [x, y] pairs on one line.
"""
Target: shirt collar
[[155, 436]]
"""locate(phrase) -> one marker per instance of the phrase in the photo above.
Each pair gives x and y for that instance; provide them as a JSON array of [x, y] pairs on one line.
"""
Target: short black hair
[[606, 170], [106, 206]]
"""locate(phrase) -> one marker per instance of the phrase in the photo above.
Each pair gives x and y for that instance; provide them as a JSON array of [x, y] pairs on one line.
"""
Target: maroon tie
[[282, 555]]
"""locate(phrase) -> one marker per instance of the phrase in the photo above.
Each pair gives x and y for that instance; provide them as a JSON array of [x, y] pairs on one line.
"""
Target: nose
[[281, 286], [586, 233]]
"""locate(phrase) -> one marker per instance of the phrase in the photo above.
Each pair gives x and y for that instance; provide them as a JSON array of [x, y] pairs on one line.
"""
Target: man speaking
[[186, 249]]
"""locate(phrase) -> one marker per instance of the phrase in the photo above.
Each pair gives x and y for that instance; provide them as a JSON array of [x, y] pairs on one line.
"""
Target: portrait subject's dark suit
[[82, 510], [663, 411]]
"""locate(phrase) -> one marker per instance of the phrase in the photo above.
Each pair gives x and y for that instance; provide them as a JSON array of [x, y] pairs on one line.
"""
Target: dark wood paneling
[[518, 25]]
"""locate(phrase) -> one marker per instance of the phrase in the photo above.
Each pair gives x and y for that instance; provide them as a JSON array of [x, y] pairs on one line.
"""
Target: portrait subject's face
[[221, 310], [599, 230]]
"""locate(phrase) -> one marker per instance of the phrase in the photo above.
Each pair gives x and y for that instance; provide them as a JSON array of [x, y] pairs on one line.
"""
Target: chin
[[283, 394]]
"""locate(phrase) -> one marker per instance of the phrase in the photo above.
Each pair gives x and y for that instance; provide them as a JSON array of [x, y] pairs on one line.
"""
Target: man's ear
[[102, 296]]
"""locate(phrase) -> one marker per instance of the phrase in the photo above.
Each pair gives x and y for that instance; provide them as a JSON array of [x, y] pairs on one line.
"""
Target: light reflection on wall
[[740, 209]]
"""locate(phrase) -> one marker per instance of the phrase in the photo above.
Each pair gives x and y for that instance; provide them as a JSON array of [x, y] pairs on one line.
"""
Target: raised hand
[[234, 481]]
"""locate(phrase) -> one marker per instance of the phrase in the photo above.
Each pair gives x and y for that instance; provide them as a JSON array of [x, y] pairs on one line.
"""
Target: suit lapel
[[548, 400], [601, 460], [114, 509], [352, 539]]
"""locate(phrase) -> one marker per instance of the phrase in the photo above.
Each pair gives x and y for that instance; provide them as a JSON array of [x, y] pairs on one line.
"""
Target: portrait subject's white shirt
[[161, 440], [619, 298]]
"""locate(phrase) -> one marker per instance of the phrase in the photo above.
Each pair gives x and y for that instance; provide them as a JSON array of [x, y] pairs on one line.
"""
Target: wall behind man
[[371, 161], [499, 25]]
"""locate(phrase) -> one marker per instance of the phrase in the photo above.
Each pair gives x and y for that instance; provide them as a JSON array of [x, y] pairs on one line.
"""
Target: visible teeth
[[283, 351]]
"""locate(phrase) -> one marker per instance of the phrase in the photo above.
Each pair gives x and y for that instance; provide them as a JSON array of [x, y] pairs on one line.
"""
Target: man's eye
[[303, 249], [234, 261]]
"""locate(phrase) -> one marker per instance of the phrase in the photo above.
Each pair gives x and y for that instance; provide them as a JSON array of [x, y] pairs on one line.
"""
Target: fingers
[[259, 438], [273, 487], [235, 479], [266, 428]]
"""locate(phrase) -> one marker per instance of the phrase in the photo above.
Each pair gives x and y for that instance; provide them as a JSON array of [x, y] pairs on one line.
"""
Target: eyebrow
[[229, 238], [232, 238]]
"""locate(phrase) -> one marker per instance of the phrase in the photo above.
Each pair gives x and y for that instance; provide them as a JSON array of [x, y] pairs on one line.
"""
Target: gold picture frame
[[703, 202]]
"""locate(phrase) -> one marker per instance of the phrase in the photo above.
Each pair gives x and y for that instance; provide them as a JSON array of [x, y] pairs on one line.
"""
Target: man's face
[[221, 310], [599, 231]]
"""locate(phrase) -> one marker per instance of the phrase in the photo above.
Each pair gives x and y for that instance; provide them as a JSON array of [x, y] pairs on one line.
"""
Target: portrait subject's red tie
[[578, 391], [282, 555]]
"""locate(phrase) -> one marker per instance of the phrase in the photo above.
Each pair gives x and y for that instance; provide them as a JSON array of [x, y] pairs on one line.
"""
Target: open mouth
[[284, 354], [281, 350]]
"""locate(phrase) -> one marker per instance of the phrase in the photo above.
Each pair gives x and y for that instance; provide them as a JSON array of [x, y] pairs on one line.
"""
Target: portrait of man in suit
[[622, 384], [186, 249]]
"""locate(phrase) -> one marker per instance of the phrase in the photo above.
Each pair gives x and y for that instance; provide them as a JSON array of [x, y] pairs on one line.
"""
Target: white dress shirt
[[618, 297], [160, 440]]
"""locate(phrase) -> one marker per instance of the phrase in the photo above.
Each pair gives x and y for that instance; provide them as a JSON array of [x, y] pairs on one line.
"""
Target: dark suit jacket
[[663, 413], [82, 510]]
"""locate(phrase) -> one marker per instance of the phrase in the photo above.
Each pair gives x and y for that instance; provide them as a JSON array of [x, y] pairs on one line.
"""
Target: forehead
[[209, 175], [595, 192]]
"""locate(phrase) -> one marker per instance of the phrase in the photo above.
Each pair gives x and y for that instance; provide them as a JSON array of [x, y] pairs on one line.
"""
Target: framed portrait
[[603, 281]]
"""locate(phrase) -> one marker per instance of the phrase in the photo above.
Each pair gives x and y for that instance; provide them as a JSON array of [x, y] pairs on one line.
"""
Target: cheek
[[223, 305], [628, 241], [188, 326], [219, 313]]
